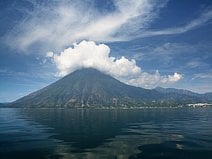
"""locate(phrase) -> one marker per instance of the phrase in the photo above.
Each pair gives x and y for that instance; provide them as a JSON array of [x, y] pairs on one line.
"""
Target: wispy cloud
[[56, 25], [207, 75], [60, 24], [205, 17], [171, 53], [165, 52], [196, 63], [23, 78]]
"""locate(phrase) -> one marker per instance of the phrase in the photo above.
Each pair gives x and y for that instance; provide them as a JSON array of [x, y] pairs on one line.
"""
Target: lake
[[180, 133]]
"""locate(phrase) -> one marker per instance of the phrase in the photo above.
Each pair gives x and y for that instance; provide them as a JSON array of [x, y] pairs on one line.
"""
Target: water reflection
[[86, 133]]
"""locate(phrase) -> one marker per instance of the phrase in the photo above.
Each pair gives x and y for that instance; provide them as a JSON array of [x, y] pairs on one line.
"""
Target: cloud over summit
[[88, 54]]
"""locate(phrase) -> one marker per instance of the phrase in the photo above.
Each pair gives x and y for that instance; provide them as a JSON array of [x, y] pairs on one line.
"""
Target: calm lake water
[[183, 133]]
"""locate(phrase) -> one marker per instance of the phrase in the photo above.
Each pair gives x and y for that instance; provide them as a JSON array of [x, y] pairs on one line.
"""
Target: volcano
[[91, 88]]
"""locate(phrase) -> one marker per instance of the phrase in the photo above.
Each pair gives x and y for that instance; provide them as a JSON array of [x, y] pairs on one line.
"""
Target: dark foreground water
[[95, 134]]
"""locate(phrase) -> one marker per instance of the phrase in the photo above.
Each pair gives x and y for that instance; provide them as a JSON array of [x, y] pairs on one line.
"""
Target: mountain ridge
[[183, 91], [92, 88]]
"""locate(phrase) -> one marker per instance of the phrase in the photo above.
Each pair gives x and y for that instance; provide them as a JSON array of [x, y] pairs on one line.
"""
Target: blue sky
[[145, 43]]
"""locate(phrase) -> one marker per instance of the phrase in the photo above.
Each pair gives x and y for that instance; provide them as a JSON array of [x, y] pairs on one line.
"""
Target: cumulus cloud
[[49, 54], [60, 23], [175, 77], [88, 54], [148, 80]]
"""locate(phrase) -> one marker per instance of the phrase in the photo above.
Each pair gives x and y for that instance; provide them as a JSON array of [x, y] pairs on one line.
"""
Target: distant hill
[[91, 88], [207, 97], [4, 104], [177, 91]]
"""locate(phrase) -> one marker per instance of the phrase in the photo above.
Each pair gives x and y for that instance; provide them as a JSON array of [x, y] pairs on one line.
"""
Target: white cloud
[[148, 80], [175, 77], [59, 24], [87, 54], [49, 54]]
